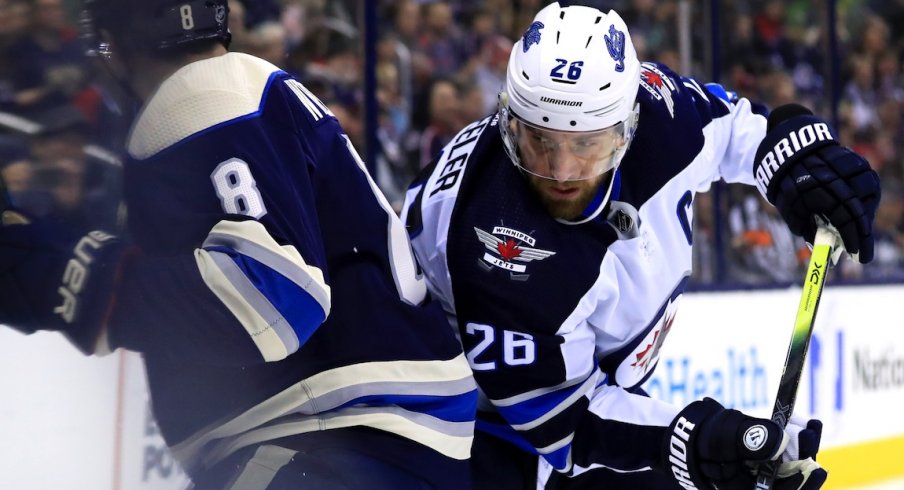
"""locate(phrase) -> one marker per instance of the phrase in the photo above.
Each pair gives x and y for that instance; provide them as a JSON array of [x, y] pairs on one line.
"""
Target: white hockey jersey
[[563, 323]]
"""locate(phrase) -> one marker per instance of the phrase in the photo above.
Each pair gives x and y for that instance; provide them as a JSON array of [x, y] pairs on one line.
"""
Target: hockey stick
[[4, 195], [825, 245], [5, 200]]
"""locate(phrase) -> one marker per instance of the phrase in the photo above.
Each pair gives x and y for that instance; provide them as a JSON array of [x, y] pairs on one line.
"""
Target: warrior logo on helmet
[[615, 42], [532, 35]]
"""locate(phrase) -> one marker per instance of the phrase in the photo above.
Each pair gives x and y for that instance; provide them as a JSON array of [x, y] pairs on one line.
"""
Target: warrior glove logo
[[531, 35], [788, 147], [615, 43], [681, 434], [755, 438]]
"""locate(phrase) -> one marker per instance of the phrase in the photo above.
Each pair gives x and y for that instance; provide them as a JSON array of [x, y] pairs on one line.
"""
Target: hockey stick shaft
[[11, 217], [823, 244], [5, 200]]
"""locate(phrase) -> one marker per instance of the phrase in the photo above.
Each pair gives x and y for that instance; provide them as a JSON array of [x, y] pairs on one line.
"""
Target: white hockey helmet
[[572, 81]]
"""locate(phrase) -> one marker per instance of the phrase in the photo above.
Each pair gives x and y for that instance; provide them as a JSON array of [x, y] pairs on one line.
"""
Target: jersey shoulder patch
[[659, 84]]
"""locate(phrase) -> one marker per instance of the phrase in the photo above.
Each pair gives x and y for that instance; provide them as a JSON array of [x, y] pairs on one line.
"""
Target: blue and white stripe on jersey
[[278, 298], [529, 411], [430, 402]]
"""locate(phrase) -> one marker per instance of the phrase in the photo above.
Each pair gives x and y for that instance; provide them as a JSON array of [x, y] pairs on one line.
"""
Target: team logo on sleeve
[[510, 250], [641, 361], [658, 85], [648, 354]]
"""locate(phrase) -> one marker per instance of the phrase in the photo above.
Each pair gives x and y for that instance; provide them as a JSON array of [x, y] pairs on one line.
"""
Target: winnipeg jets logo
[[658, 85], [641, 361], [531, 36], [646, 357], [506, 252], [615, 43]]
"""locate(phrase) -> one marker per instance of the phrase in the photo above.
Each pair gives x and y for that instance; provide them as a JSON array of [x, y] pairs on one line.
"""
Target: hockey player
[[265, 279], [557, 235]]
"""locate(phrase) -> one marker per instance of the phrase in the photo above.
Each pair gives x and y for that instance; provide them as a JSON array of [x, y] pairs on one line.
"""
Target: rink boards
[[73, 422], [732, 346]]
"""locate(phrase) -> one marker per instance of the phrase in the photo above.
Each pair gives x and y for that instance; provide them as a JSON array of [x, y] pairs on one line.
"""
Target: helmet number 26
[[574, 71]]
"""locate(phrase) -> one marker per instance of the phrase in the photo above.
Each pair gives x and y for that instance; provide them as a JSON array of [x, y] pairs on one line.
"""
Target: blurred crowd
[[440, 65]]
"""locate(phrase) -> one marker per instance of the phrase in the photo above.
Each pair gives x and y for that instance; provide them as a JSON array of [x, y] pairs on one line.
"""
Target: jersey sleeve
[[239, 298], [736, 129], [256, 287], [732, 126]]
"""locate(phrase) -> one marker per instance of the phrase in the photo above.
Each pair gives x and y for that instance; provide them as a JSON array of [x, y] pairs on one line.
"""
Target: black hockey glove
[[710, 447], [805, 173], [51, 281]]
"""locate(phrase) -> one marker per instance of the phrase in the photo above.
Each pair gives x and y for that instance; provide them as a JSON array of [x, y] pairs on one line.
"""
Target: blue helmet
[[151, 26]]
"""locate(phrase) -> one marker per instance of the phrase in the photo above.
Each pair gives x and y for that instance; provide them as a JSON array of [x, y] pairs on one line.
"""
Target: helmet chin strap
[[599, 206], [120, 79]]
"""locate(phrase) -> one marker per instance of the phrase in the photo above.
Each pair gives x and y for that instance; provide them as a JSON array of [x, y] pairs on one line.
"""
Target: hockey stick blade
[[826, 240]]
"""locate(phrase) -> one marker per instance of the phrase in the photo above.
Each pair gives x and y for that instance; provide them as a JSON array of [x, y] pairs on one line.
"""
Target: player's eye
[[544, 142]]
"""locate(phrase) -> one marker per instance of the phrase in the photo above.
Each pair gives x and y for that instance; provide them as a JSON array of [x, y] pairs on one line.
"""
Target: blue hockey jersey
[[274, 290], [560, 322]]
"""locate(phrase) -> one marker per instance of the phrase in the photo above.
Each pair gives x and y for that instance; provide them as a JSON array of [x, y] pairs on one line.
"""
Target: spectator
[[769, 27], [653, 22], [444, 119], [472, 103], [238, 27], [861, 94], [50, 62], [771, 51], [762, 248], [17, 176], [441, 40], [13, 22], [268, 41], [489, 73], [407, 22], [889, 232], [67, 183]]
